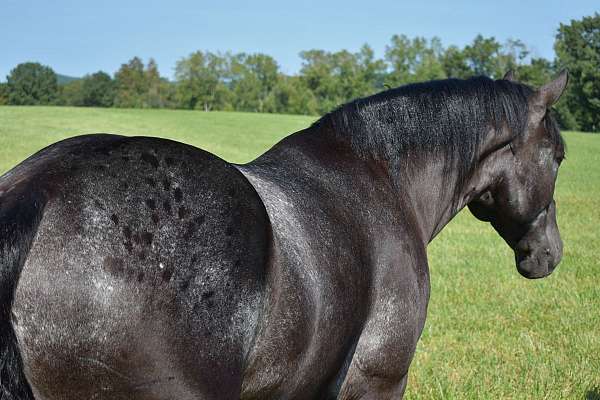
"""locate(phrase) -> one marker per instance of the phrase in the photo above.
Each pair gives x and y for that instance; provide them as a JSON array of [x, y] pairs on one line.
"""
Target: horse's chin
[[535, 265]]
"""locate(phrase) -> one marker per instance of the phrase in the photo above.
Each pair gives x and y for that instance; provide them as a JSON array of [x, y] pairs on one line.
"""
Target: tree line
[[210, 81]]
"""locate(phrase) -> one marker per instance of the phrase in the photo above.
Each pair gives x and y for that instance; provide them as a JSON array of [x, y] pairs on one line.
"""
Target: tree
[[483, 57], [253, 78], [512, 55], [3, 94], [166, 94], [357, 74], [201, 81], [335, 78], [32, 84], [318, 76], [159, 93], [454, 63], [71, 93], [131, 84], [399, 54], [97, 90], [253, 82], [140, 86], [577, 48], [372, 71], [414, 60], [291, 96]]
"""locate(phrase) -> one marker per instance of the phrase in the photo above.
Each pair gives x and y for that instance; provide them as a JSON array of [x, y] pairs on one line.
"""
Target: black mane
[[448, 117]]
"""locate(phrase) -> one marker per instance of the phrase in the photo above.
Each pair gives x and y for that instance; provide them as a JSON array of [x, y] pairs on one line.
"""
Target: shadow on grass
[[593, 394]]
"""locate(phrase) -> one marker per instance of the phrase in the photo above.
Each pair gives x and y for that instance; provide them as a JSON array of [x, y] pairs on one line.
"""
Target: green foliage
[[414, 60], [577, 48], [252, 80], [71, 93], [336, 77], [131, 85], [3, 94], [483, 57], [292, 96], [454, 63], [140, 87], [371, 71], [97, 90], [317, 75], [201, 81], [159, 93], [32, 84]]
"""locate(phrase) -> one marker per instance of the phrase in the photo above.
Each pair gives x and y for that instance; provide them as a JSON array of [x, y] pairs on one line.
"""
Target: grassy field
[[490, 333], [237, 137]]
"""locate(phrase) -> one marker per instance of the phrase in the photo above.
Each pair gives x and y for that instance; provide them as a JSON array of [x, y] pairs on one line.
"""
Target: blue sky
[[76, 37]]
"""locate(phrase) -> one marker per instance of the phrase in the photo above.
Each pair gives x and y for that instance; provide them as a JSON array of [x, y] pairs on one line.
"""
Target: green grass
[[237, 137], [490, 333]]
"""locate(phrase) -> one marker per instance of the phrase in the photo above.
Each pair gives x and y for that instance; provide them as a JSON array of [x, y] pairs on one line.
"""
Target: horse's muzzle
[[539, 252]]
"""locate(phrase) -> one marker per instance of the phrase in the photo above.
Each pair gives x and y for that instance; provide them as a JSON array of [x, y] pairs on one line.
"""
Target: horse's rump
[[147, 248]]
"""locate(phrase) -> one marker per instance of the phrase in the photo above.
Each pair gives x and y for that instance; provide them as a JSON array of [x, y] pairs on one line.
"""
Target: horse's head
[[519, 201]]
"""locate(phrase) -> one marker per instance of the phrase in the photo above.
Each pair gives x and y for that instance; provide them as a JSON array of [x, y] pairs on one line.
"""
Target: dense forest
[[253, 82]]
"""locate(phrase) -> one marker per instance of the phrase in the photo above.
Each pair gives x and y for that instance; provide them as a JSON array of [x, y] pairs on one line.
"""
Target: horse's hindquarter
[[145, 277]]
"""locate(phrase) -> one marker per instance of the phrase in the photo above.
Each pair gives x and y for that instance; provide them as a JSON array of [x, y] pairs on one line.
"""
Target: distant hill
[[64, 79]]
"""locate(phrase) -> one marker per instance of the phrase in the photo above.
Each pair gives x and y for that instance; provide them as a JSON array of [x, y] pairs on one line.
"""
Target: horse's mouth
[[537, 264]]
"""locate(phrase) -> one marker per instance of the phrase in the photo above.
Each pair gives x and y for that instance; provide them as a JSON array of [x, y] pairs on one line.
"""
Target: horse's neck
[[437, 197], [422, 188], [429, 196]]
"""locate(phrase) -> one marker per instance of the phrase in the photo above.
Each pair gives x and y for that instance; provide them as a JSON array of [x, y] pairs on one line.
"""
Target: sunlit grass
[[237, 137]]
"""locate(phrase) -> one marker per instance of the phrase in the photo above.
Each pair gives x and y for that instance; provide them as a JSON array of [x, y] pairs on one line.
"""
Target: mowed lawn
[[490, 333]]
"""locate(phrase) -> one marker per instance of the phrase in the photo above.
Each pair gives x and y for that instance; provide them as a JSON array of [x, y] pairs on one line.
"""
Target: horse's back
[[145, 276]]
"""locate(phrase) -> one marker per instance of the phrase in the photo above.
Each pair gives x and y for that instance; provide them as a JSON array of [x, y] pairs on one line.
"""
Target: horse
[[143, 268]]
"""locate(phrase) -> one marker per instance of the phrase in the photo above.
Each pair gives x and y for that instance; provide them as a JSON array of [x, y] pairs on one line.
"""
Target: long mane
[[449, 118]]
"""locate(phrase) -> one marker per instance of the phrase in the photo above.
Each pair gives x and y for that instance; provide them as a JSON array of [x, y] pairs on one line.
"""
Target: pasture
[[490, 333]]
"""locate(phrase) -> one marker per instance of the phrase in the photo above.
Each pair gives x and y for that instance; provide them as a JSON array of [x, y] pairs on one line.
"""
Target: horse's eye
[[487, 199]]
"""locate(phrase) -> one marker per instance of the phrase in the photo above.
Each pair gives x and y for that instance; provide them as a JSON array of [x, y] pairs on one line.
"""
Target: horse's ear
[[510, 76], [549, 94]]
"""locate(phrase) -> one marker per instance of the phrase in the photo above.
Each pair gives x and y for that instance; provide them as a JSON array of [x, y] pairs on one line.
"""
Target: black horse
[[140, 268]]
